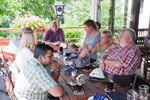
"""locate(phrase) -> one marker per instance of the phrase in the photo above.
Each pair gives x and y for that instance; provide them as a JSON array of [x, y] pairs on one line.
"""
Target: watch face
[[59, 9]]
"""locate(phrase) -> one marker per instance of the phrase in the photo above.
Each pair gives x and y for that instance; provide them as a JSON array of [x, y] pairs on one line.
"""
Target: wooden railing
[[42, 30]]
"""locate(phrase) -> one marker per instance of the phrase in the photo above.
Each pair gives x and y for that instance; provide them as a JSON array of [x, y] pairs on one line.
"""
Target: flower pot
[[41, 30]]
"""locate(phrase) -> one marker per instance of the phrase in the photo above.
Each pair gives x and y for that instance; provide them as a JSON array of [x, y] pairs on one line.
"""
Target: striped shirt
[[33, 82], [129, 57]]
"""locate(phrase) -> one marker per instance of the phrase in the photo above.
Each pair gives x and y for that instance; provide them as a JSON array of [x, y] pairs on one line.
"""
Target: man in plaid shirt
[[34, 82], [124, 59]]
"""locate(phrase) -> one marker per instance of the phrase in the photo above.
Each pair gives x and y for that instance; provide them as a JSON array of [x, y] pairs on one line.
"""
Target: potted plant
[[34, 22]]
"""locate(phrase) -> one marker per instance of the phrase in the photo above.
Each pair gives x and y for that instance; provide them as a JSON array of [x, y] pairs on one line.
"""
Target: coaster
[[108, 90], [78, 93]]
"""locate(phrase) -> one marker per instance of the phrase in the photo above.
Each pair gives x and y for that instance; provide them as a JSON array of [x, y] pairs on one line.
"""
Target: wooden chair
[[6, 56], [147, 62]]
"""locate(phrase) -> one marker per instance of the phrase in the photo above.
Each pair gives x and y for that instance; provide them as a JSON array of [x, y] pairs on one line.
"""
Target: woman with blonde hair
[[25, 53], [105, 44]]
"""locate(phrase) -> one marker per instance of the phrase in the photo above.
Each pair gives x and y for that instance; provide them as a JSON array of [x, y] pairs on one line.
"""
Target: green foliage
[[6, 34], [105, 7], [76, 12], [10, 7]]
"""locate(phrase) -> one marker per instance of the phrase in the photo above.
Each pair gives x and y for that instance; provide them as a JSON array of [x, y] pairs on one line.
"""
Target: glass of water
[[143, 92]]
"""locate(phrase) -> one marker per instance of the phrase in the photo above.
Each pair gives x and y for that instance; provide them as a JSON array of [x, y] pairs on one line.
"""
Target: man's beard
[[122, 44]]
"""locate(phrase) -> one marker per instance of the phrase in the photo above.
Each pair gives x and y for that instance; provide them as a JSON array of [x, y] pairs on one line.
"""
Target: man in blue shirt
[[91, 41]]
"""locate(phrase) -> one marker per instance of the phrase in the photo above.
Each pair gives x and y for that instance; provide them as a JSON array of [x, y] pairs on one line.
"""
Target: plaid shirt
[[129, 57], [33, 82]]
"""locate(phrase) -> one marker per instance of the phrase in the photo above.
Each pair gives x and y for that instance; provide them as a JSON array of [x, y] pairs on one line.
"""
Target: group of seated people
[[33, 81]]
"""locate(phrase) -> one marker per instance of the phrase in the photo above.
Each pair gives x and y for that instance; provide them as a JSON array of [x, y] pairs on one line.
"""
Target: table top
[[89, 88]]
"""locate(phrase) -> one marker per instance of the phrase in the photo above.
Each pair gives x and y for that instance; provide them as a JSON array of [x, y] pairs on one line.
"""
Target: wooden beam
[[135, 16]]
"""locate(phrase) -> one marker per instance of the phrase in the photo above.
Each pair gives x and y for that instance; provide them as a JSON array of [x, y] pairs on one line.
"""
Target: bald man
[[54, 35]]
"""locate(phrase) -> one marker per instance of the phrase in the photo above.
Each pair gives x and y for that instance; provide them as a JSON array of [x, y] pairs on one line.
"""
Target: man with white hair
[[54, 35], [123, 60]]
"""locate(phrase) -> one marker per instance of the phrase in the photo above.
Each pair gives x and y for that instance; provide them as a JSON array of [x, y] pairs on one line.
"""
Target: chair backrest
[[141, 44], [7, 56], [4, 41]]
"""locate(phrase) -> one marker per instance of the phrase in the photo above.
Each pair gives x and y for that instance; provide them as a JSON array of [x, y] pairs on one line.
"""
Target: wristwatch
[[103, 60], [57, 70]]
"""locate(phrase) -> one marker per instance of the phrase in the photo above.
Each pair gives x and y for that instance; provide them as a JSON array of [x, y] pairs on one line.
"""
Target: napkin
[[69, 70], [98, 96]]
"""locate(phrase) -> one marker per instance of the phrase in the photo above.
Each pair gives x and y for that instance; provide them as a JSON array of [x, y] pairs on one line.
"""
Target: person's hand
[[102, 66], [83, 53], [55, 65], [101, 60]]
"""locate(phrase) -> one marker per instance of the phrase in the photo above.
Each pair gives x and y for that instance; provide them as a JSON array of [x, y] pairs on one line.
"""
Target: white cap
[[97, 73]]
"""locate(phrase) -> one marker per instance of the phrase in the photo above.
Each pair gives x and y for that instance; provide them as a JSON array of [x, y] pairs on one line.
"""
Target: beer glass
[[78, 89], [61, 53], [110, 83]]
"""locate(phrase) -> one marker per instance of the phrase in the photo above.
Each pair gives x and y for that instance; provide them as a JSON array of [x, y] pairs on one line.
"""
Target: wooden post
[[35, 37], [112, 14], [135, 16]]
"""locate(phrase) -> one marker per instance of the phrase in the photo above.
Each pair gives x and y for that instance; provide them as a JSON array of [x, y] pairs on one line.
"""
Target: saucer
[[108, 90], [78, 93]]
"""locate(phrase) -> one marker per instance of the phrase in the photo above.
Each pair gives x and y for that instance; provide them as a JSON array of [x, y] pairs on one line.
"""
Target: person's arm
[[51, 43], [81, 48], [93, 50], [56, 91], [113, 63]]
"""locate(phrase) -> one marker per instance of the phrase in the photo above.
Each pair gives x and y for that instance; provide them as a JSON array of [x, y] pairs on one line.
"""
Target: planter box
[[41, 30]]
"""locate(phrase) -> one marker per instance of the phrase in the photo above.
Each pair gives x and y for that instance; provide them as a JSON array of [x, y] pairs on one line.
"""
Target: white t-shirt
[[23, 57], [21, 60]]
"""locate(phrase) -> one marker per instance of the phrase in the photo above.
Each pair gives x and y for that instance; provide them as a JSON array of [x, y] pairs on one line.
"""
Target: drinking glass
[[132, 95], [61, 53], [110, 83], [61, 50], [78, 89], [143, 92]]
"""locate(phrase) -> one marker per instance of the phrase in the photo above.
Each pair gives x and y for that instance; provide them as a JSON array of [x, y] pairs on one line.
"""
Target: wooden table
[[89, 88]]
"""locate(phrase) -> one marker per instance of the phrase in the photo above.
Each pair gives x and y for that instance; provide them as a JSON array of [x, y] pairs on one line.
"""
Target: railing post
[[35, 37]]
